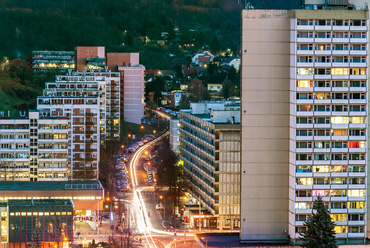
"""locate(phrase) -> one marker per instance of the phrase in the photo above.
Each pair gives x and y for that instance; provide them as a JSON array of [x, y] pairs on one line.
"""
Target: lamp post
[[141, 130], [128, 136], [200, 226], [164, 207]]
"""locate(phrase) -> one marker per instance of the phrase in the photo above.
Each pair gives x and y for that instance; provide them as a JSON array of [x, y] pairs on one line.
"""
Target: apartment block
[[91, 103], [175, 134], [210, 155], [33, 148], [304, 122], [47, 61], [132, 92]]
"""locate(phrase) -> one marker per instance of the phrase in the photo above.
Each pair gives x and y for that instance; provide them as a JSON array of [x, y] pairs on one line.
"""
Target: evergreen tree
[[319, 231]]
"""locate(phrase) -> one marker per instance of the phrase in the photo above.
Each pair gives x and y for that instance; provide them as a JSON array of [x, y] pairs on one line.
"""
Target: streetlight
[[164, 207]]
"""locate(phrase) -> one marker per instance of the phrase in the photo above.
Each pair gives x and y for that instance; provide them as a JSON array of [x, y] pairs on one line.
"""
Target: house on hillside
[[215, 85], [199, 58], [229, 61]]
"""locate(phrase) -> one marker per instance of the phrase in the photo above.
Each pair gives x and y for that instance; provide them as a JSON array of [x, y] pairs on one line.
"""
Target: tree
[[36, 243], [196, 90], [319, 231]]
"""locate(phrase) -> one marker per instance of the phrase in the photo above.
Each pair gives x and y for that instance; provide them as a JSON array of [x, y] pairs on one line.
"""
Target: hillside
[[61, 25]]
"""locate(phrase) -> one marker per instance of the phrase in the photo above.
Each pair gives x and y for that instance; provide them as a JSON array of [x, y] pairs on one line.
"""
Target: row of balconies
[[330, 28], [329, 174], [330, 150], [333, 211], [331, 89], [199, 170], [330, 162], [334, 138], [337, 235], [326, 125], [332, 64], [331, 77], [332, 40], [332, 52]]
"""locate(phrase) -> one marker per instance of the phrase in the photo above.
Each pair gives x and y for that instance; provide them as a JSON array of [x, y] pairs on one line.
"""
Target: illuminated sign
[[83, 218]]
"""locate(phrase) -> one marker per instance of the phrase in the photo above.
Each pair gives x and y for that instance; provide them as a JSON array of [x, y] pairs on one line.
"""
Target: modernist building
[[47, 61], [175, 134], [91, 102], [304, 121], [210, 154], [34, 149], [51, 203], [50, 219]]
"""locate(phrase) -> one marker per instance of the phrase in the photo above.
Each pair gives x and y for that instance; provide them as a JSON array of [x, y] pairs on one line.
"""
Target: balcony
[[306, 40], [306, 52], [304, 89], [321, 126], [322, 77], [322, 65], [339, 101], [322, 52], [358, 28], [304, 101], [340, 64], [358, 52], [305, 138], [339, 89], [358, 40], [357, 64], [340, 52], [340, 28], [322, 40], [340, 40], [339, 150], [359, 77], [301, 64], [305, 126]]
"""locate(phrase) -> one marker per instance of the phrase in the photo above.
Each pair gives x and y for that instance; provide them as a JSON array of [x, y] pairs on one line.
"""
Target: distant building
[[210, 155], [48, 61], [91, 102], [132, 92], [89, 58], [50, 219], [174, 135], [172, 99], [34, 148]]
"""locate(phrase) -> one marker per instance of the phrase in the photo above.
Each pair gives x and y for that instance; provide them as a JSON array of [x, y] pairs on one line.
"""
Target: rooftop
[[33, 202], [50, 185]]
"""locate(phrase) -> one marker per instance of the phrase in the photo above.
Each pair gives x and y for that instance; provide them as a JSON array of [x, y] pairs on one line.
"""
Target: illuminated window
[[357, 120], [339, 71], [356, 192], [304, 83], [305, 71], [339, 120], [338, 217], [304, 181], [340, 229]]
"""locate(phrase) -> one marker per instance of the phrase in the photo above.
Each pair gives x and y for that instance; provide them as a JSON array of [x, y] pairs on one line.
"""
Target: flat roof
[[32, 202], [50, 185]]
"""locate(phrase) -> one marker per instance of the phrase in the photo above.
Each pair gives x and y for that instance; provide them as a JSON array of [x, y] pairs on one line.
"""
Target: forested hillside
[[28, 25]]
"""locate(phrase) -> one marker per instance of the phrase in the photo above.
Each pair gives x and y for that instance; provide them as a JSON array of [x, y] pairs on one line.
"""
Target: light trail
[[143, 223]]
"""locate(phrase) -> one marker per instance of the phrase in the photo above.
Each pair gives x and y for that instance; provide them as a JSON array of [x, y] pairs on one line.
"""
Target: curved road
[[154, 237]]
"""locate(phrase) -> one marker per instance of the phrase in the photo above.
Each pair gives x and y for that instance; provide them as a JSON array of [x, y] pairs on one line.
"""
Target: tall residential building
[[46, 61], [304, 121], [33, 149], [132, 92], [210, 155], [175, 134], [91, 102]]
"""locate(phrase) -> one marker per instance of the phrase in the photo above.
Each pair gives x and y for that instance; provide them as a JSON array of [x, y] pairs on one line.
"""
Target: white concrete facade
[[33, 148], [210, 154], [91, 102], [174, 135], [132, 81], [304, 121]]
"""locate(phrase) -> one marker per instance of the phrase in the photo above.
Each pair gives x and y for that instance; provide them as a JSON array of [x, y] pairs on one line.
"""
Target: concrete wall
[[265, 124], [125, 59], [82, 52], [133, 90]]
